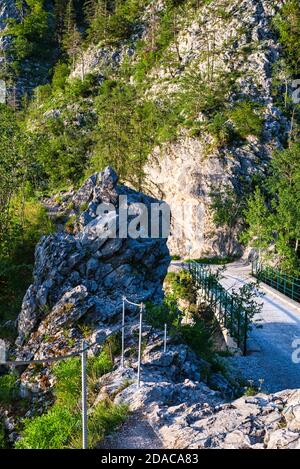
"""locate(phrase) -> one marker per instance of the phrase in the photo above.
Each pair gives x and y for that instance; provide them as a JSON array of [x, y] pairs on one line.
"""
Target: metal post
[[123, 333], [165, 339], [140, 346], [84, 396]]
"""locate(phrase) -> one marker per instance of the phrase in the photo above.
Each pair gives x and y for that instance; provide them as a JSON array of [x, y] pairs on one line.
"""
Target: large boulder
[[90, 267]]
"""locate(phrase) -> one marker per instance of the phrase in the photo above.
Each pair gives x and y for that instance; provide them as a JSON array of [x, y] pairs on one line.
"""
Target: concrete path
[[271, 347]]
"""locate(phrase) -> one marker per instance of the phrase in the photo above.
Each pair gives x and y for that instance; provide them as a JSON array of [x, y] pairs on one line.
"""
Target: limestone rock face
[[185, 172], [89, 270], [7, 10]]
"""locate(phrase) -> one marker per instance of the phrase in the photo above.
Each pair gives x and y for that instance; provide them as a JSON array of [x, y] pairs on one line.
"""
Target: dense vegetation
[[60, 425]]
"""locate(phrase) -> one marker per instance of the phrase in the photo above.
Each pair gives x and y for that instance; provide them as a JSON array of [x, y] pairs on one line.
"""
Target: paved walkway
[[271, 347]]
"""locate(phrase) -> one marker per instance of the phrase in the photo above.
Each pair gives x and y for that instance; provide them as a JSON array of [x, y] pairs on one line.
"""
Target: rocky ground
[[177, 409]]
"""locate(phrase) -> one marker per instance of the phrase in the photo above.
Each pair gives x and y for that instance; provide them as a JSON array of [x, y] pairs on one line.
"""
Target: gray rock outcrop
[[185, 413], [87, 271]]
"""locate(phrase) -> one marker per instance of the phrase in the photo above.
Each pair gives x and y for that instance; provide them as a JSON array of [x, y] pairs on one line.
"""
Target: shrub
[[219, 127], [68, 382], [100, 364], [246, 119], [182, 285], [166, 313], [2, 436], [198, 337], [70, 224], [60, 75], [9, 389], [49, 431], [104, 419]]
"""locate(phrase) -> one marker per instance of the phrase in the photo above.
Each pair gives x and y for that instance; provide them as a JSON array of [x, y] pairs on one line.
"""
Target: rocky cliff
[[184, 173], [84, 274], [223, 40]]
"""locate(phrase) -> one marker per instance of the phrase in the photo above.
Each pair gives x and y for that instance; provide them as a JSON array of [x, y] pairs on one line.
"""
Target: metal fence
[[229, 311], [284, 283]]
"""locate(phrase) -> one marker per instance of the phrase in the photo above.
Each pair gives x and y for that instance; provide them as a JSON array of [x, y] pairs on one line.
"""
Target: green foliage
[[103, 363], [214, 260], [60, 76], [26, 224], [227, 207], [32, 33], [257, 218], [166, 313], [246, 298], [284, 184], [68, 383], [104, 419], [198, 336], [3, 444], [219, 127], [128, 128], [287, 24], [9, 389], [246, 119], [60, 427], [181, 285], [275, 217], [112, 21], [51, 430]]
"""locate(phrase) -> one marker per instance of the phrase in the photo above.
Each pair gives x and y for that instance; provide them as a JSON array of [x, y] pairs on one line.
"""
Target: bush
[[104, 419], [182, 285], [68, 382], [102, 363], [51, 430], [198, 337], [60, 427], [9, 389], [246, 119], [220, 129], [166, 313], [60, 75], [2, 436]]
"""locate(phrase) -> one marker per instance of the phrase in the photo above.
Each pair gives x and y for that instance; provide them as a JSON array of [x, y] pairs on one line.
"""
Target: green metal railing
[[286, 284], [230, 312]]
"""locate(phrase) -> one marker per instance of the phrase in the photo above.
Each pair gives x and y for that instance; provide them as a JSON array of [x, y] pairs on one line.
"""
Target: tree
[[284, 185], [287, 23], [31, 33], [257, 217], [12, 168], [227, 207]]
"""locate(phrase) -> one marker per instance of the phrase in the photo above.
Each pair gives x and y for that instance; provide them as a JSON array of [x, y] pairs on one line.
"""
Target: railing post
[[123, 333], [165, 339], [84, 396], [140, 346]]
